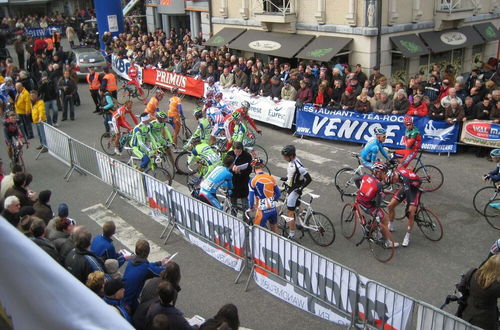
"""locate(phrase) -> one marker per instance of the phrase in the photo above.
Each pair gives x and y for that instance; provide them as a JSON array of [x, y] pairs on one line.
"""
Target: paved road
[[425, 270]]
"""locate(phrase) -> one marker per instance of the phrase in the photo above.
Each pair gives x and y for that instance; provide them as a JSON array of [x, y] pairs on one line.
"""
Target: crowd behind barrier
[[287, 270]]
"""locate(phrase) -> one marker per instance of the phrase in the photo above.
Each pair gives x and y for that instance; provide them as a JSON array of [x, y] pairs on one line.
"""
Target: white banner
[[37, 293], [264, 109], [321, 279], [120, 66]]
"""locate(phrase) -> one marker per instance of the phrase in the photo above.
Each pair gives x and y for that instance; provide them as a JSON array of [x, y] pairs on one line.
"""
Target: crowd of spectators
[[145, 294]]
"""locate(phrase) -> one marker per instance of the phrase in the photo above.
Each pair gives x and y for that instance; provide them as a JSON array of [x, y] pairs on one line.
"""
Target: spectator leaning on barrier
[[454, 112], [348, 100], [362, 105], [483, 109], [401, 103], [288, 93], [276, 86], [452, 95], [436, 111], [265, 86], [384, 105], [418, 108], [469, 112]]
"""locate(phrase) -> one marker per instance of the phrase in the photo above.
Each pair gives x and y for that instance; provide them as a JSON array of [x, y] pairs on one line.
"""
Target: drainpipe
[[379, 32], [210, 18]]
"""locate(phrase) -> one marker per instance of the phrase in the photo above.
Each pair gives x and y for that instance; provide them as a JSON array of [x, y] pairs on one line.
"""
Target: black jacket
[[81, 263], [12, 218], [481, 309], [67, 87], [48, 247], [479, 111], [240, 180], [175, 317], [43, 211], [47, 90], [21, 194]]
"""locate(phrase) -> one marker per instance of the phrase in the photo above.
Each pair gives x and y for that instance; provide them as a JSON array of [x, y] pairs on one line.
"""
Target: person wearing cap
[[62, 213], [375, 76], [288, 92], [112, 268], [114, 292], [348, 99], [94, 80], [141, 140], [48, 93], [42, 208]]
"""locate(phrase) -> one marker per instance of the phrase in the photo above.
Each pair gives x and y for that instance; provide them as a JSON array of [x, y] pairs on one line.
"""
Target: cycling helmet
[[210, 79], [257, 161], [197, 113], [495, 153], [195, 139], [236, 115], [175, 90], [208, 103], [161, 114], [495, 248], [218, 95], [245, 104], [288, 150], [210, 94], [408, 120], [380, 131], [379, 167]]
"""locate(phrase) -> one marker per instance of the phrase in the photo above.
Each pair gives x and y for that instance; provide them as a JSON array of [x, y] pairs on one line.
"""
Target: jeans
[[107, 118], [26, 126], [41, 134], [68, 101], [51, 111]]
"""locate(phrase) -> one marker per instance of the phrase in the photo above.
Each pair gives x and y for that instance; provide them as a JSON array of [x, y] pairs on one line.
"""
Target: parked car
[[83, 58]]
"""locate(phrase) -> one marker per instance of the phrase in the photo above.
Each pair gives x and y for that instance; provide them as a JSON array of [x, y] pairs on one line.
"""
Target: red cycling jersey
[[133, 72], [119, 117], [368, 189], [244, 116]]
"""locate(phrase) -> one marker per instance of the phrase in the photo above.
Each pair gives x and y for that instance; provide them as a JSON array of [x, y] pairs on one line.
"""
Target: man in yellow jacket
[[38, 116], [22, 106]]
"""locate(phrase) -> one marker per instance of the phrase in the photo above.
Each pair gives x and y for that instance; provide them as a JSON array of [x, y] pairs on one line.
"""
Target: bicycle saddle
[[314, 196]]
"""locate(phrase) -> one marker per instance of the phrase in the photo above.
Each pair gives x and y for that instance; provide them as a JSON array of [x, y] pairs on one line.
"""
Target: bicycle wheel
[[193, 181], [344, 183], [376, 241], [325, 233], [168, 163], [491, 213], [482, 197], [181, 163], [107, 143], [258, 152], [161, 174], [143, 96], [429, 224], [17, 159], [348, 220], [432, 177], [185, 133], [122, 96]]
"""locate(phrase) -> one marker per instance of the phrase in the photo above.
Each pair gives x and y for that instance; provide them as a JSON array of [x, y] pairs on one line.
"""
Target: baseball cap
[[63, 210]]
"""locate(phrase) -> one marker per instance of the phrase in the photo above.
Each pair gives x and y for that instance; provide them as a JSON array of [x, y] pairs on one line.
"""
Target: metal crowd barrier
[[332, 290]]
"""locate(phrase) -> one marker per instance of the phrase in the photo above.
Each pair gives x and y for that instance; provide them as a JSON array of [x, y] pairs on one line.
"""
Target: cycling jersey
[[412, 139], [369, 194], [219, 177], [203, 129], [263, 191], [156, 132], [495, 174], [297, 178], [370, 151], [141, 135], [11, 130], [153, 106], [119, 120], [229, 123], [240, 132], [175, 107], [133, 72], [216, 117], [410, 190], [208, 155]]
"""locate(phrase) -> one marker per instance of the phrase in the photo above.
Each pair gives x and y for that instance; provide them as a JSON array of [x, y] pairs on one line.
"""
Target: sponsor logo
[[410, 46], [483, 131], [265, 45], [437, 133], [454, 38], [170, 78]]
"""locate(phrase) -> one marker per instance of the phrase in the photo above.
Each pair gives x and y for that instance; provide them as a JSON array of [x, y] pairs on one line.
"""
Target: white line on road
[[309, 156], [316, 176], [125, 233], [312, 143]]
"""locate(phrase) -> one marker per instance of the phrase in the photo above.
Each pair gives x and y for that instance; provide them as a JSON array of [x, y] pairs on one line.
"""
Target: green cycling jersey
[[240, 132], [203, 130], [207, 155], [157, 130]]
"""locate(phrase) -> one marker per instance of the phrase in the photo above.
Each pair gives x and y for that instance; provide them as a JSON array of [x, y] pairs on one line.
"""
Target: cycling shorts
[[407, 156], [209, 198], [412, 196], [370, 208], [216, 129], [263, 216], [292, 201], [120, 122]]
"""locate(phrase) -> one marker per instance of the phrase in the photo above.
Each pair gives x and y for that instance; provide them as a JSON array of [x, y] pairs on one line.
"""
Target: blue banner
[[39, 32], [345, 125]]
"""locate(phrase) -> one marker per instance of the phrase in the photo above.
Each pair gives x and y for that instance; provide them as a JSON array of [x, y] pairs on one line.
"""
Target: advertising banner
[[165, 79], [264, 109], [128, 181], [437, 136], [481, 133], [47, 32], [120, 66]]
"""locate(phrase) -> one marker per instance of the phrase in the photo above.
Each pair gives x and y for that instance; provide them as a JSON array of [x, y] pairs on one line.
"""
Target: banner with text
[[47, 32], [481, 133], [264, 109], [121, 66], [166, 79], [437, 136]]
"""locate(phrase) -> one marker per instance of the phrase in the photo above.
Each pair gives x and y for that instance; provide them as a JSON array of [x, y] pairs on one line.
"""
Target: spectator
[[138, 271], [21, 182], [469, 112], [362, 105], [375, 77], [24, 225], [22, 106], [294, 80], [95, 282], [62, 231], [226, 78], [471, 80], [276, 87], [111, 267], [383, 86], [348, 100], [166, 306], [460, 91], [454, 112], [483, 110], [452, 95], [288, 93], [374, 99], [443, 91], [38, 231], [114, 292], [432, 88], [38, 118], [436, 111], [401, 103], [69, 244], [254, 86], [67, 90], [240, 78], [19, 48], [360, 75], [102, 245], [495, 112], [80, 261], [71, 35], [8, 180], [356, 87], [265, 86], [11, 207], [418, 108], [322, 98], [227, 314], [384, 105], [42, 208], [47, 91]]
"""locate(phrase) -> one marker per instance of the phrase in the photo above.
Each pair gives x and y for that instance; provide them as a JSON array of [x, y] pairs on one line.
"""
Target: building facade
[[403, 37]]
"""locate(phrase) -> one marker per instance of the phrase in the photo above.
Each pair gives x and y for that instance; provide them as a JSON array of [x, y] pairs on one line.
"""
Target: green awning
[[323, 48], [488, 31], [410, 45], [443, 41], [271, 43], [224, 37]]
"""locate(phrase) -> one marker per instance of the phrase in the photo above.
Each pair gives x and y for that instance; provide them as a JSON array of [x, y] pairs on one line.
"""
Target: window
[[400, 65], [477, 56], [276, 6]]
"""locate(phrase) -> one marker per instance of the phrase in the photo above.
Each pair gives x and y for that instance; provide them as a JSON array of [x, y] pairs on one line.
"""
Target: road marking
[[316, 176], [309, 156], [332, 148], [125, 233]]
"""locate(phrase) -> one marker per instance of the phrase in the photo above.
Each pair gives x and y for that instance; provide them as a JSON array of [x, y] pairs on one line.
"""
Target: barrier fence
[[287, 270]]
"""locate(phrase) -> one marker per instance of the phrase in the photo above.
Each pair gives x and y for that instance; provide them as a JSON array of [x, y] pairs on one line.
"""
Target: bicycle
[[484, 196], [319, 227], [129, 91], [351, 216], [491, 213], [343, 179], [15, 152], [432, 177], [154, 167], [108, 142]]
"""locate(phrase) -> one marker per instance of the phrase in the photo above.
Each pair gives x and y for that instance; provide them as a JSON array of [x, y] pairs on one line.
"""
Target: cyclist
[[7, 91], [118, 120], [221, 176], [204, 128], [243, 110], [212, 87], [297, 179], [133, 73], [495, 174], [219, 103], [370, 151], [141, 139], [216, 117], [107, 108], [153, 105], [410, 191], [203, 152], [263, 196], [412, 140], [13, 135], [161, 134], [369, 196], [175, 114], [240, 130]]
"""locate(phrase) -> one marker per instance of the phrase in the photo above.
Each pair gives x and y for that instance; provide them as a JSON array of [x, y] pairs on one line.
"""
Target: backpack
[[464, 288]]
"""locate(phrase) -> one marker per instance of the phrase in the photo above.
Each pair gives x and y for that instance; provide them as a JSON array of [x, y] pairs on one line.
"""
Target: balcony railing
[[453, 6], [277, 7]]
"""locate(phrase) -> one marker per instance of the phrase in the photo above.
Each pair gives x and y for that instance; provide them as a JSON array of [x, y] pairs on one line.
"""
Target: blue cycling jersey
[[370, 151], [219, 177]]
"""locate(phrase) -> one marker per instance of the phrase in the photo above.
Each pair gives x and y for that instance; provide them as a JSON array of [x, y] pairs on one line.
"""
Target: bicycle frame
[[300, 213]]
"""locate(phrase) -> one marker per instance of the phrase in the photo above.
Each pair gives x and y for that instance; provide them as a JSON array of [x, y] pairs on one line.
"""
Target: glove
[[486, 177]]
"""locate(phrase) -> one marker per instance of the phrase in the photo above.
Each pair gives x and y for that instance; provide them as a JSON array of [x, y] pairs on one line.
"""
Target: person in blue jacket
[[138, 270], [113, 295], [107, 108], [102, 245], [219, 177], [370, 152]]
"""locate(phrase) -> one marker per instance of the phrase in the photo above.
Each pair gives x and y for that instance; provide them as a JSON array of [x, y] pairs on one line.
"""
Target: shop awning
[[271, 43], [224, 36], [323, 48], [410, 45], [488, 31], [451, 39]]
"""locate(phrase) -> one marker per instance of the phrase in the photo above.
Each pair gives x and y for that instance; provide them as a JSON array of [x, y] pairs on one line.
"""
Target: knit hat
[[44, 196], [349, 89], [26, 210], [112, 287], [63, 210], [111, 266]]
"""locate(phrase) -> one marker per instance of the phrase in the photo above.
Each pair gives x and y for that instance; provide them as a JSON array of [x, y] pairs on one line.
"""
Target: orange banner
[[165, 79]]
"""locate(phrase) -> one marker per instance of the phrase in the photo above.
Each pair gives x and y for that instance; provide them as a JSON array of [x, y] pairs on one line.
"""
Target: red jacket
[[39, 44], [418, 110]]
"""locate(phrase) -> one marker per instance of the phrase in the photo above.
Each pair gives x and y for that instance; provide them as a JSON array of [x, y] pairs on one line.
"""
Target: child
[[38, 117]]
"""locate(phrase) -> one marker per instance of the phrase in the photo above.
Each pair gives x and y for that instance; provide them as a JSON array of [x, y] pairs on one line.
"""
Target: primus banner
[[166, 79], [437, 136]]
